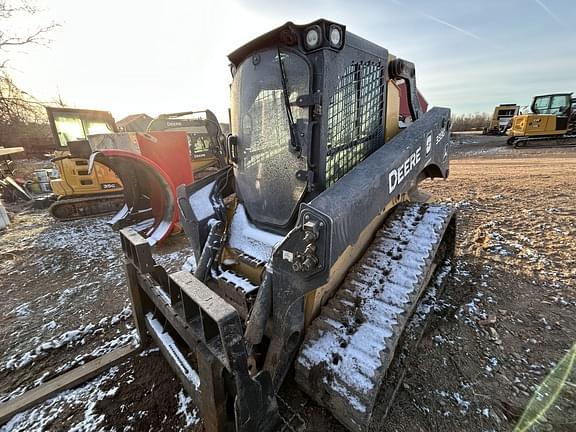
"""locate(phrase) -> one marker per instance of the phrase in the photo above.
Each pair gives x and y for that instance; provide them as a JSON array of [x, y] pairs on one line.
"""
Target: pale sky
[[132, 56]]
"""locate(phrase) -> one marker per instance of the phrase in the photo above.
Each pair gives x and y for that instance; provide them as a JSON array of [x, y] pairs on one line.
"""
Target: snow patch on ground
[[45, 416], [109, 346], [504, 244], [463, 404], [51, 325], [22, 310], [69, 337], [19, 361], [177, 260], [190, 416]]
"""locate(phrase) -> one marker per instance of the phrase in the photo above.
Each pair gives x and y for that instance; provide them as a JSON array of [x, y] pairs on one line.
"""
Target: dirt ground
[[508, 316]]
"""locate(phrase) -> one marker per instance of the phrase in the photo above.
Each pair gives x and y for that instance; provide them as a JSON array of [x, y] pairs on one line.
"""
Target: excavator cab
[[308, 246], [72, 124], [556, 104]]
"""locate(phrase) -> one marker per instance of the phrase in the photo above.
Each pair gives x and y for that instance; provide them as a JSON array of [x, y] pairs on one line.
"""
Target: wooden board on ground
[[63, 382], [5, 151]]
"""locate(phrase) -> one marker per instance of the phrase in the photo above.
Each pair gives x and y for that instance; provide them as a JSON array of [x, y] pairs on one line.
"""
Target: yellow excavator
[[80, 192], [552, 123]]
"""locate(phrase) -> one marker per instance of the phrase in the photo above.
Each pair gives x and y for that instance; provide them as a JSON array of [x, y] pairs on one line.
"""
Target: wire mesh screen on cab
[[355, 118]]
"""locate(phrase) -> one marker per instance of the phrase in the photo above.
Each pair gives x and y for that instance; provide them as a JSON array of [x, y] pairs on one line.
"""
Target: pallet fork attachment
[[201, 336]]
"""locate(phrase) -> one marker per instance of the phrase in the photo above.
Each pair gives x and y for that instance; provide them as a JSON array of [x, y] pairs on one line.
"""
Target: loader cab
[[205, 137], [308, 103]]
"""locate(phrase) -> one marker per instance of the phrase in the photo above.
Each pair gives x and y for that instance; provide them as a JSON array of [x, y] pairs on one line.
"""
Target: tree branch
[[34, 38], [16, 106]]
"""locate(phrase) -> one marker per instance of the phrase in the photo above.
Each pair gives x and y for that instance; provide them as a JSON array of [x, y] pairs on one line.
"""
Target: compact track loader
[[207, 141], [310, 251], [552, 123], [501, 119]]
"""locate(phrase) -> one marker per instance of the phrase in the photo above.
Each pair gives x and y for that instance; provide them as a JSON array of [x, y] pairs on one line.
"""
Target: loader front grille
[[355, 118]]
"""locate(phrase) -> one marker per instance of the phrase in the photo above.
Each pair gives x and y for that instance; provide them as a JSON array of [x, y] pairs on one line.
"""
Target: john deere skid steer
[[205, 135], [310, 253]]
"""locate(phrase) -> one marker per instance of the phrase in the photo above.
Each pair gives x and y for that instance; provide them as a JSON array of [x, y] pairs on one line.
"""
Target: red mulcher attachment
[[151, 166]]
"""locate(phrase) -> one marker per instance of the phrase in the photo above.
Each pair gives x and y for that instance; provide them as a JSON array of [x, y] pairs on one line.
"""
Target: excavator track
[[353, 357], [91, 206], [565, 141]]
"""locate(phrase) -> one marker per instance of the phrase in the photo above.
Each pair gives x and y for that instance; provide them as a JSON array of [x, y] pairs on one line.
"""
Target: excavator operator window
[[69, 129], [554, 104], [559, 104], [76, 127]]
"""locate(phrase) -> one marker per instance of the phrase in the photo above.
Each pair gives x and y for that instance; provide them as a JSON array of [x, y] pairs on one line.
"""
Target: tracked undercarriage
[[89, 206], [543, 142], [349, 348]]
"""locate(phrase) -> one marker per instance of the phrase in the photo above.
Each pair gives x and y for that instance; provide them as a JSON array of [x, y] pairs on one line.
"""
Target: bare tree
[[16, 105], [10, 9], [19, 111], [468, 122]]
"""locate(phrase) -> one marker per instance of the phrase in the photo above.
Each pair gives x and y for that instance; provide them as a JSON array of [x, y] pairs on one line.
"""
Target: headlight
[[335, 36], [313, 35]]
